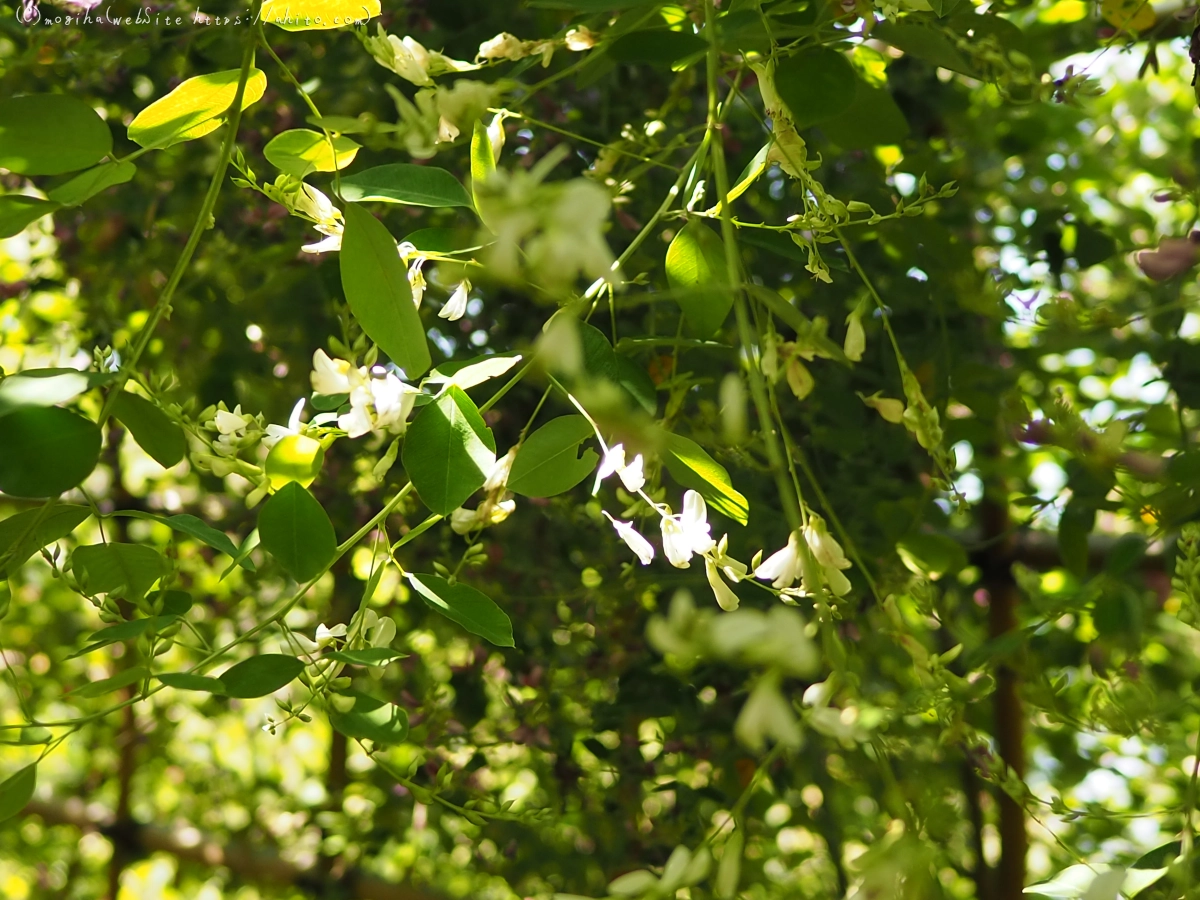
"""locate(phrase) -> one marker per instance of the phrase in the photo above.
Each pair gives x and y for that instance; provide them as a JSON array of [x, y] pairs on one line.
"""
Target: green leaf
[[376, 286], [931, 555], [483, 159], [123, 631], [23, 538], [1076, 523], [928, 44], [1092, 245], [1125, 553], [693, 468], [438, 240], [318, 15], [601, 361], [186, 681], [17, 211], [816, 85], [471, 609], [152, 428], [41, 387], [205, 533], [406, 183], [655, 46], [698, 277], [260, 675], [872, 119], [105, 568], [193, 109], [243, 555], [372, 720], [296, 530], [448, 451], [549, 463], [368, 656], [300, 152], [88, 184], [108, 685], [49, 134], [294, 458], [46, 451], [17, 790]]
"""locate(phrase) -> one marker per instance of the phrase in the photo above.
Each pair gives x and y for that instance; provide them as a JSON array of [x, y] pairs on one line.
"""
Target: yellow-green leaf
[[318, 15], [302, 151], [194, 108]]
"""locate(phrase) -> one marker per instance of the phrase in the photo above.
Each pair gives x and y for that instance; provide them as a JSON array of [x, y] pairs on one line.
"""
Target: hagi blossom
[[726, 598], [828, 553], [638, 544], [456, 307], [276, 433], [631, 475], [410, 60], [231, 428], [489, 512], [687, 533], [330, 376], [379, 404], [327, 218], [783, 567]]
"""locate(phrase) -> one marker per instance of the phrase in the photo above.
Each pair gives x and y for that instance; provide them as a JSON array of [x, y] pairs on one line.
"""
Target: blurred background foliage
[[1067, 382]]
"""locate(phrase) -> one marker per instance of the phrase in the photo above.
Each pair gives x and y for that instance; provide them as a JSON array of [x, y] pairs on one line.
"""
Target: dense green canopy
[[599, 447]]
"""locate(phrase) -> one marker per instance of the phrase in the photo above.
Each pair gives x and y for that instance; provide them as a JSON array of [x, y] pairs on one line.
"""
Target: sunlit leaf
[[691, 466], [300, 152], [318, 15], [406, 183], [448, 451], [699, 278], [194, 108], [471, 609]]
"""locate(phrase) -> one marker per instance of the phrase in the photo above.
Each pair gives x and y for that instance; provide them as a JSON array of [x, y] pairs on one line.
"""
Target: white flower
[[378, 404], [232, 424], [782, 568], [456, 307], [726, 598], [498, 477], [276, 433], [464, 521], [638, 544], [829, 555], [503, 46], [410, 60], [327, 244], [632, 475], [326, 636], [330, 376], [416, 280], [579, 39], [687, 533]]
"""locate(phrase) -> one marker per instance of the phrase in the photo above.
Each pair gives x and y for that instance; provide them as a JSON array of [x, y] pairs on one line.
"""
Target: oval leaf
[[295, 529], [471, 609], [377, 289], [185, 681], [301, 151], [372, 720], [260, 675], [49, 134], [108, 685], [549, 463], [693, 468], [130, 569], [88, 184], [699, 278], [318, 15], [151, 428], [26, 533], [872, 119], [816, 85], [16, 791], [33, 389], [194, 108], [18, 211], [46, 451], [297, 458], [406, 183], [368, 656], [448, 451]]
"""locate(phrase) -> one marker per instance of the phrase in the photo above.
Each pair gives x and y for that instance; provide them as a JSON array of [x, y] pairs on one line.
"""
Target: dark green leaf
[[88, 184], [448, 451], [656, 46], [46, 451], [816, 85], [872, 119], [49, 134], [376, 286], [152, 428], [693, 468], [931, 555], [18, 211], [296, 530], [925, 43], [123, 631], [406, 183], [1126, 553], [129, 568], [601, 361], [260, 675], [549, 463], [185, 681], [205, 533], [108, 685], [1076, 523], [699, 278], [20, 535], [471, 609], [1092, 246], [17, 790], [372, 720]]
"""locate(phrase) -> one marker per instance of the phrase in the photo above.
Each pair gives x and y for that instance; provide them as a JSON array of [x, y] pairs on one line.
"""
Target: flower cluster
[[380, 402], [505, 46], [409, 59], [813, 557]]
